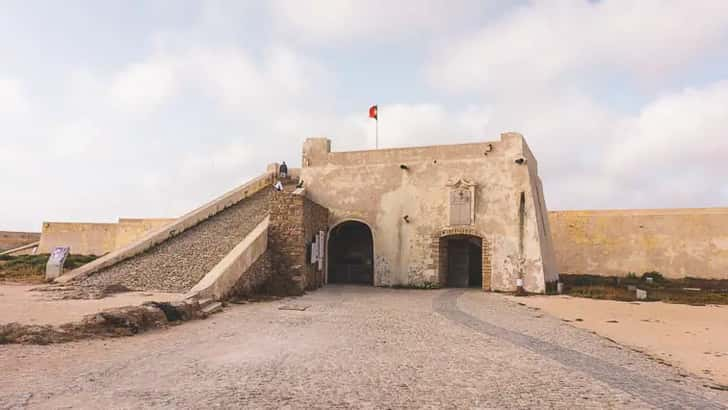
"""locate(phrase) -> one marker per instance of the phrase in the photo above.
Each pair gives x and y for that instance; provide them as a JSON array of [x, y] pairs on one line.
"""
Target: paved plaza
[[353, 347]]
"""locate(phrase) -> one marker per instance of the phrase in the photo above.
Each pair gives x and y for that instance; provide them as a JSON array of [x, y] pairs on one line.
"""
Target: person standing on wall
[[283, 170]]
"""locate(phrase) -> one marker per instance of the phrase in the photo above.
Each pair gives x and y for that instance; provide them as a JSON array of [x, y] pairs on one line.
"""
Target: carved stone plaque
[[462, 198], [460, 201]]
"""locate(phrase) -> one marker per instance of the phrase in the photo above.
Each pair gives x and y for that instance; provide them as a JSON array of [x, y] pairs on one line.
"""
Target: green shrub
[[656, 276]]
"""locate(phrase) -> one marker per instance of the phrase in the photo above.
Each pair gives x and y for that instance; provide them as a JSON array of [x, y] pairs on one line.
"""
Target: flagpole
[[376, 126]]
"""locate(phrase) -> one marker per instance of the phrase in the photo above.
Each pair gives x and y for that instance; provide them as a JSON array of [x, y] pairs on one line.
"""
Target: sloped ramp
[[178, 263], [175, 257]]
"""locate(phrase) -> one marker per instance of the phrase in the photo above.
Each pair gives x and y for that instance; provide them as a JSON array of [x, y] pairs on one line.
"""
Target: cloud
[[668, 154], [543, 43], [144, 86], [13, 99], [233, 76], [278, 79], [343, 21], [73, 139], [201, 107], [423, 124], [671, 150]]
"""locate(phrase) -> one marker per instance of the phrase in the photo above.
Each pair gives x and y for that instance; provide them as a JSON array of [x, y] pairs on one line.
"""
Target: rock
[[123, 321], [640, 294]]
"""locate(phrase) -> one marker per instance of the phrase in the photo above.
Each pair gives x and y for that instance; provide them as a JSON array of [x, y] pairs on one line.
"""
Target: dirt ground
[[692, 337], [19, 304], [353, 347]]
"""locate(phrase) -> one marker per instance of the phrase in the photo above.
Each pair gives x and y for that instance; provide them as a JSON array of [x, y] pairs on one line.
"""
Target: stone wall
[[254, 280], [131, 229], [315, 219], [674, 242], [83, 238], [11, 240], [86, 238], [294, 219]]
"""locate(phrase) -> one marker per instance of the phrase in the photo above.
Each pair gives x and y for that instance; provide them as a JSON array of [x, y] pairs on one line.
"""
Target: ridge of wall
[[180, 225]]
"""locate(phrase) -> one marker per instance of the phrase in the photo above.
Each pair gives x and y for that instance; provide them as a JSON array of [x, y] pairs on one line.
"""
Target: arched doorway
[[351, 254], [461, 261]]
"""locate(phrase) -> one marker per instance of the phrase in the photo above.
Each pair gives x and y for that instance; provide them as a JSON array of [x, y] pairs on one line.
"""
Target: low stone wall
[[83, 238], [295, 220], [236, 272], [178, 226], [12, 240], [674, 242], [131, 229], [87, 238]]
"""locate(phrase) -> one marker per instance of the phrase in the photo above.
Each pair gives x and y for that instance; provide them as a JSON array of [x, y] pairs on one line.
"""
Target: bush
[[656, 277]]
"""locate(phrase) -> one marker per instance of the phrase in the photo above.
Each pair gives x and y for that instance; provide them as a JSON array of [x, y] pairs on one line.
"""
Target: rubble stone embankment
[[178, 263]]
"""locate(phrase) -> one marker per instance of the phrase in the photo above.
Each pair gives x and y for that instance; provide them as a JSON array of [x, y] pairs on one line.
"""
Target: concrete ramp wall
[[168, 231], [237, 271], [29, 249]]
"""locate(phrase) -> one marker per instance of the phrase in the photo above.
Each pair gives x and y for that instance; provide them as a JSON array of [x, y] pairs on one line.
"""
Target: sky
[[150, 108]]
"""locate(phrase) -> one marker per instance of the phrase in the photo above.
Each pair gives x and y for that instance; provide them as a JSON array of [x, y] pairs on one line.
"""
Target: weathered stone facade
[[412, 197], [294, 221]]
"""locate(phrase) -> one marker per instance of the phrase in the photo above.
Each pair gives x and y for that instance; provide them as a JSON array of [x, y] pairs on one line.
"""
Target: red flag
[[373, 112]]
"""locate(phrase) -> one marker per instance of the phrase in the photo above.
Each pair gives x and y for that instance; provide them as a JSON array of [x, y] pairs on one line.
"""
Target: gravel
[[177, 264], [354, 347]]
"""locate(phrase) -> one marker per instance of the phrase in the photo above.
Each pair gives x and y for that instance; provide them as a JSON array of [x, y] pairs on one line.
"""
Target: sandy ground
[[692, 337], [353, 347], [19, 304]]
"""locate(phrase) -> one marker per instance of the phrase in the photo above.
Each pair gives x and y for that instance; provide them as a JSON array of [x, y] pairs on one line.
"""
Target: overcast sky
[[150, 108]]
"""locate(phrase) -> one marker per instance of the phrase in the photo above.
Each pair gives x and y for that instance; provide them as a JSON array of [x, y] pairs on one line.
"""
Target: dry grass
[[31, 268], [691, 291]]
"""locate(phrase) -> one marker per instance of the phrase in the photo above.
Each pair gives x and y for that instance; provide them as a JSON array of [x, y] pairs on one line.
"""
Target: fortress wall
[[674, 242], [381, 187], [86, 238], [11, 240], [294, 220], [131, 229], [83, 238]]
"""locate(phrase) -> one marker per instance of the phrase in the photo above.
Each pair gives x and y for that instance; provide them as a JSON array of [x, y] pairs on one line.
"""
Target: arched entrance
[[351, 254], [464, 261], [462, 258]]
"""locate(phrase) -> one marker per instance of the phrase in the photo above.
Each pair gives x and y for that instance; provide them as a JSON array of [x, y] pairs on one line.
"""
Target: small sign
[[54, 267], [59, 255]]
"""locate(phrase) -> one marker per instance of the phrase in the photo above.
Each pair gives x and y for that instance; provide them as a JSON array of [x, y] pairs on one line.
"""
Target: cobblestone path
[[178, 263], [648, 390], [353, 347]]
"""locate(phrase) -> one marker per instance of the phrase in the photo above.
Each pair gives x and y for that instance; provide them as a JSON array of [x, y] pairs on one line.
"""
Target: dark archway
[[351, 254], [462, 261]]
